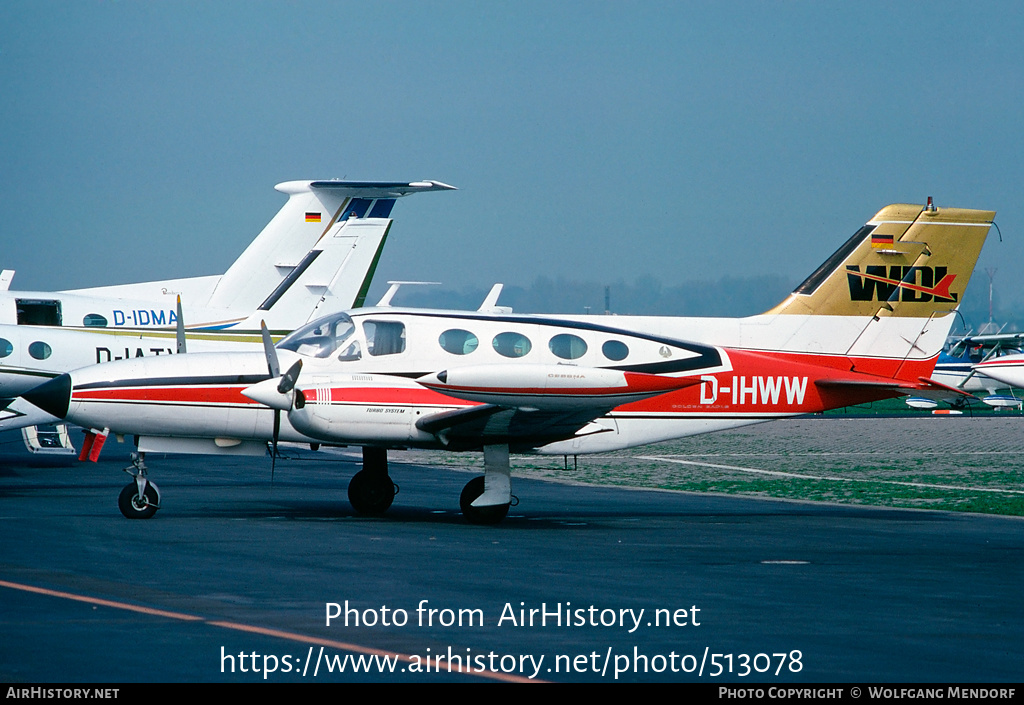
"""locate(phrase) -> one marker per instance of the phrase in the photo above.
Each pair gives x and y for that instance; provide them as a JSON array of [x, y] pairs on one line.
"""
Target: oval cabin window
[[568, 347], [40, 350], [511, 344], [458, 341], [615, 350]]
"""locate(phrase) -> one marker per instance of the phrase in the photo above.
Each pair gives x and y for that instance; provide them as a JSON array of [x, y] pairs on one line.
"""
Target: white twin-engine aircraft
[[868, 324], [316, 256]]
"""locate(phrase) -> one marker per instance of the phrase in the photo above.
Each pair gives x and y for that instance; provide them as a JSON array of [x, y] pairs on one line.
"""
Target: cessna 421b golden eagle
[[868, 324]]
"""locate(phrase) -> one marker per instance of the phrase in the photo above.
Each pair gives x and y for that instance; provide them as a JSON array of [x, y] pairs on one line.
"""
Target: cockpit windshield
[[321, 337]]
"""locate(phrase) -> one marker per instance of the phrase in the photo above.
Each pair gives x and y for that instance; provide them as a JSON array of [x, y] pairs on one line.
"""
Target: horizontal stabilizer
[[947, 391], [376, 189], [924, 387]]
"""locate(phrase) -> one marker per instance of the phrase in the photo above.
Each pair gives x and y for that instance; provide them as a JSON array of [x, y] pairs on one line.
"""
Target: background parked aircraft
[[316, 256], [1007, 370], [959, 365]]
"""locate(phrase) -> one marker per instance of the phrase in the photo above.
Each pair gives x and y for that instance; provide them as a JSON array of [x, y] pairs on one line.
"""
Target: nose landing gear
[[140, 498]]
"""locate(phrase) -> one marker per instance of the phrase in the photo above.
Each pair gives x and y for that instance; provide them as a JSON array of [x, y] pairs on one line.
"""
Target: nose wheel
[[140, 498], [136, 505]]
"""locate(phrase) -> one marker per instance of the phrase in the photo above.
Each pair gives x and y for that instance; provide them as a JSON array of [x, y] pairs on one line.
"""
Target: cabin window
[[384, 337], [5, 347], [35, 312], [511, 344], [615, 350], [321, 337], [95, 320], [40, 350], [568, 347], [458, 341], [352, 351]]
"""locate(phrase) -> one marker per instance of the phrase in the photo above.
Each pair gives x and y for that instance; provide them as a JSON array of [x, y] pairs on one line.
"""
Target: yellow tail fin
[[908, 260]]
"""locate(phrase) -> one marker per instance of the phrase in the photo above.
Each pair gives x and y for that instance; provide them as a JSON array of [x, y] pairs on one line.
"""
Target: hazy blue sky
[[590, 140]]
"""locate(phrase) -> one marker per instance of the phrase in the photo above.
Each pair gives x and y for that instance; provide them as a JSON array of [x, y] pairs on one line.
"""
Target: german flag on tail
[[881, 240]]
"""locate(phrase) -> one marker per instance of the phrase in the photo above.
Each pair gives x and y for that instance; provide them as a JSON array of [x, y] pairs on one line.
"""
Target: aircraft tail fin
[[319, 252], [906, 261], [891, 290]]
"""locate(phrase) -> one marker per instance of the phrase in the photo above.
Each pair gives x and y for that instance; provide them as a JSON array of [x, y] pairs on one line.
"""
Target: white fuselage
[[358, 378]]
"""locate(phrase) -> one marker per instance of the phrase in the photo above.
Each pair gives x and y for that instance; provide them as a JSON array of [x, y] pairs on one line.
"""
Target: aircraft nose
[[53, 397]]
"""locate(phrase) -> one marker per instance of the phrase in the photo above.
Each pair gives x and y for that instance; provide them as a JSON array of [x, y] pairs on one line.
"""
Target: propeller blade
[[273, 445], [271, 352], [180, 330], [289, 378], [284, 387]]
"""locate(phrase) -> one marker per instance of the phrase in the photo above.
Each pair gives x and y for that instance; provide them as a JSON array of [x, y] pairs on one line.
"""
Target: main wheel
[[371, 493], [479, 515], [135, 507]]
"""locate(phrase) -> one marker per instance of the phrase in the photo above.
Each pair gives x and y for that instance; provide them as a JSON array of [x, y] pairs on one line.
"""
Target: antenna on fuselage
[[490, 304], [393, 289]]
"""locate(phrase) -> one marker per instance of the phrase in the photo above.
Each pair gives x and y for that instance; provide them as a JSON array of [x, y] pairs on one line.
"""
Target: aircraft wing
[[990, 344], [990, 338], [529, 406], [489, 424]]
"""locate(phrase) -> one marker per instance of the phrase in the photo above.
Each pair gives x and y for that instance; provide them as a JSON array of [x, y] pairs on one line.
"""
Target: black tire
[[132, 507], [480, 515], [371, 494]]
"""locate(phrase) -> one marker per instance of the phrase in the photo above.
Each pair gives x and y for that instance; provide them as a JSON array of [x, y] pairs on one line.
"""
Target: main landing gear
[[484, 500], [140, 498], [371, 490]]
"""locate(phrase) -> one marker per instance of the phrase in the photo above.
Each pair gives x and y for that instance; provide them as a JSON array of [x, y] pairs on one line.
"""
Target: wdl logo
[[881, 283]]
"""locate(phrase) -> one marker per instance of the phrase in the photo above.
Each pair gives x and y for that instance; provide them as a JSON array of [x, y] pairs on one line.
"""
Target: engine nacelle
[[368, 409], [550, 386]]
